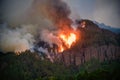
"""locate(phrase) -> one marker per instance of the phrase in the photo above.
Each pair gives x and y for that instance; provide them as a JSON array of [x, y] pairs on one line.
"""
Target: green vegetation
[[29, 66], [94, 70]]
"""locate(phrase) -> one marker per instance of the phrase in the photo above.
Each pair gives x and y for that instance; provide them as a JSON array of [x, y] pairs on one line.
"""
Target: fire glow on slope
[[68, 40]]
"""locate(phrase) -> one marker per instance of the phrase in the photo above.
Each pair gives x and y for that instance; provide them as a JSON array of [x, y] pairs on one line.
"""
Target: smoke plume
[[55, 10], [27, 19], [50, 37], [15, 39]]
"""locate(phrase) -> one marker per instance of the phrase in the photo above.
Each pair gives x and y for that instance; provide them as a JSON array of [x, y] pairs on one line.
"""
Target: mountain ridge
[[104, 26], [94, 42]]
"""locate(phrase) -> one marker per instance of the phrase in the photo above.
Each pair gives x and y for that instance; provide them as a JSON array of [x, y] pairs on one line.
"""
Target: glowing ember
[[68, 40]]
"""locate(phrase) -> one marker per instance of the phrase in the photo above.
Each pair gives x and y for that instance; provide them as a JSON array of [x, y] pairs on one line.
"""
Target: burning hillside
[[53, 28], [20, 35], [42, 40], [53, 42], [48, 30]]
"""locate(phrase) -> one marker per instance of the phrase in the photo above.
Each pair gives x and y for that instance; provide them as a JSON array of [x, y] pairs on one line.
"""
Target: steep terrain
[[95, 43]]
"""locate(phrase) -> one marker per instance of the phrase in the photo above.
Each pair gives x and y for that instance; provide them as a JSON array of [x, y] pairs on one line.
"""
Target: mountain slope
[[95, 43], [95, 56]]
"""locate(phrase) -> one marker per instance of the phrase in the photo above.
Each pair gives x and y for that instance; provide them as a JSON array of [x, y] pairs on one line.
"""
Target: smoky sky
[[13, 11], [108, 11], [103, 11], [23, 21]]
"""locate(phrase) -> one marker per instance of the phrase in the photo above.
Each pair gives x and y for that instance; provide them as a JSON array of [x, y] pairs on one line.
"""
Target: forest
[[29, 66]]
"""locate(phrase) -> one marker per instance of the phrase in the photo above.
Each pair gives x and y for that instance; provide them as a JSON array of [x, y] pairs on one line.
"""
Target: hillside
[[95, 56], [95, 43]]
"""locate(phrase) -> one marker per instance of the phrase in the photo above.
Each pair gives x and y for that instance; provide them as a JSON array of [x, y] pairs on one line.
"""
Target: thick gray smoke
[[27, 19], [17, 12], [17, 40], [50, 38], [55, 10]]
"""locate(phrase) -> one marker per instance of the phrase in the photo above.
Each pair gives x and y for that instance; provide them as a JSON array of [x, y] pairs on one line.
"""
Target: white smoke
[[45, 51], [50, 37], [15, 40]]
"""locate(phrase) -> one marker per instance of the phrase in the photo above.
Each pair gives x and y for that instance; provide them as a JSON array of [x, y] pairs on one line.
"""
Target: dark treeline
[[29, 66]]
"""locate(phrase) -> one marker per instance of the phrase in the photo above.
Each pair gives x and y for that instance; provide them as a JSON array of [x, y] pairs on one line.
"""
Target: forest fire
[[47, 30], [68, 40]]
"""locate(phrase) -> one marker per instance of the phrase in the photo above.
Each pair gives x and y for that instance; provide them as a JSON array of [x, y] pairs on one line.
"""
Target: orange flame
[[61, 49], [68, 40]]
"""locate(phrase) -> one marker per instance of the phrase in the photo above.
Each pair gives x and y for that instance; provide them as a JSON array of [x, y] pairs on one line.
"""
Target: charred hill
[[93, 42]]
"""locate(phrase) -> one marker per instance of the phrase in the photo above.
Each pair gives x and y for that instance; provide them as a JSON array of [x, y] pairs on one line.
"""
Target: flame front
[[67, 40]]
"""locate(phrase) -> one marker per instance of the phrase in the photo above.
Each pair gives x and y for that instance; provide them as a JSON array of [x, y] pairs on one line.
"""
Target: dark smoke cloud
[[17, 12], [55, 10]]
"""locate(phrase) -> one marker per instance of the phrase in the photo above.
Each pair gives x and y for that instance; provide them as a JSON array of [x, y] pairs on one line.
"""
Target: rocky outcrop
[[101, 53]]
